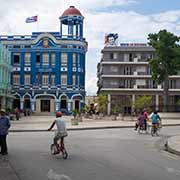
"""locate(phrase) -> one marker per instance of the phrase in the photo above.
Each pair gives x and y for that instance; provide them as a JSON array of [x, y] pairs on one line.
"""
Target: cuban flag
[[31, 19]]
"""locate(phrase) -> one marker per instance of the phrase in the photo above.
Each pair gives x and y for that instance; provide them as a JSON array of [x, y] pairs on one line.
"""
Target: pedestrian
[[140, 120], [4, 126], [145, 120], [17, 112]]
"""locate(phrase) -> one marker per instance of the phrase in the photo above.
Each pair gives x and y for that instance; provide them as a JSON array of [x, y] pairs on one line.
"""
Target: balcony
[[126, 76], [111, 62]]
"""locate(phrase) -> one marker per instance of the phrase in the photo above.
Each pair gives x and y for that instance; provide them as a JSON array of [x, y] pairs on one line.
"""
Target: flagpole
[[37, 25]]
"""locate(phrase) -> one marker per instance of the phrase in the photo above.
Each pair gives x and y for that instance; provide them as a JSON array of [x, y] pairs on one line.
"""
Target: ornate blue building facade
[[49, 67]]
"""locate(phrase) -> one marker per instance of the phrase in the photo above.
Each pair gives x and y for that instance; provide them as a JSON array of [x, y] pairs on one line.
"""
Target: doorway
[[16, 102], [77, 105], [27, 102], [45, 105]]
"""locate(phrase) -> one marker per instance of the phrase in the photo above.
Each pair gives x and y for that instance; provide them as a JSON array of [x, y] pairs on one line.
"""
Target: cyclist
[[140, 120], [61, 130], [155, 118]]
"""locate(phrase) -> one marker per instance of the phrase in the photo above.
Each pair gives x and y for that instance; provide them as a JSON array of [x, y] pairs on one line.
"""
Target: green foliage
[[178, 102], [115, 110], [167, 55], [102, 101], [74, 112], [86, 108], [166, 61], [143, 103]]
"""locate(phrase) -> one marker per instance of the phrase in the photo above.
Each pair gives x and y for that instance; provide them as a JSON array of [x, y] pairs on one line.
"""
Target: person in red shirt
[[145, 121]]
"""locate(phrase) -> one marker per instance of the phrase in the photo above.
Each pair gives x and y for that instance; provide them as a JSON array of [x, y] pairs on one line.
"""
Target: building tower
[[71, 23]]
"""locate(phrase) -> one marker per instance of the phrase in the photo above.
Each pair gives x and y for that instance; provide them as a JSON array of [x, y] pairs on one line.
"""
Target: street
[[96, 154]]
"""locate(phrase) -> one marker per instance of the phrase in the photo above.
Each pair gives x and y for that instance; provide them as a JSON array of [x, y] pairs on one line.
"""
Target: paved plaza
[[105, 149]]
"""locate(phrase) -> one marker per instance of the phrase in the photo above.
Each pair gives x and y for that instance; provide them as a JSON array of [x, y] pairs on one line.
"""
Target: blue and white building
[[49, 67]]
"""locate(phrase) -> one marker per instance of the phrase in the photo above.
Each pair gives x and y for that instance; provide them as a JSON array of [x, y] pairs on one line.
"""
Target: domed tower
[[71, 23]]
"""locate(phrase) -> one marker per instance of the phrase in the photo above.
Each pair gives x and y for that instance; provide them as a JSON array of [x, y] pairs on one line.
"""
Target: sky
[[133, 20]]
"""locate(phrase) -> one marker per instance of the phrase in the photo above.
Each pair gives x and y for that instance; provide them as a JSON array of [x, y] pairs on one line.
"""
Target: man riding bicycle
[[155, 118], [61, 129]]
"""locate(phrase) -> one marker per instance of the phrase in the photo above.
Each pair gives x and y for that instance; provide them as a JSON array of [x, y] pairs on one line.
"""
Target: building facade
[[5, 74], [124, 74], [49, 67]]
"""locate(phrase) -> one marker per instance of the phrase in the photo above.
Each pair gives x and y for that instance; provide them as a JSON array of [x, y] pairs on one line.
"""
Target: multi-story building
[[5, 74], [124, 74], [49, 67]]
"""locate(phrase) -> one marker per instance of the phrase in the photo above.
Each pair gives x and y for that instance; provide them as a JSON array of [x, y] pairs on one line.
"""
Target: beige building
[[124, 74]]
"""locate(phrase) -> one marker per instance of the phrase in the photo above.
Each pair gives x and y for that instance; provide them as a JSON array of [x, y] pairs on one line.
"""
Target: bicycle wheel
[[53, 149], [140, 130], [152, 131], [65, 154], [147, 128], [156, 132]]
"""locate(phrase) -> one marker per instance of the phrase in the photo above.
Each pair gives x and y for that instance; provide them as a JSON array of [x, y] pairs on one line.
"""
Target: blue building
[[49, 67]]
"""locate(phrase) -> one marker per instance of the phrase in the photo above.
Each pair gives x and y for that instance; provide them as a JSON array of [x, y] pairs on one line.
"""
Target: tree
[[102, 101], [166, 61], [143, 103]]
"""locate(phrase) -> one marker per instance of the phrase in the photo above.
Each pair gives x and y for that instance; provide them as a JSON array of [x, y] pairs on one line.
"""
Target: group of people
[[143, 118], [61, 127]]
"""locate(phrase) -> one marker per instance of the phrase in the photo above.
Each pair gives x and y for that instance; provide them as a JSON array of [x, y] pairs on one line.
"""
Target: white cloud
[[170, 16], [131, 26], [91, 85], [96, 4]]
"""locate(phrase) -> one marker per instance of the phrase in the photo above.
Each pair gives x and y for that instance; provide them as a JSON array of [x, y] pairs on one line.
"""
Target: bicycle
[[141, 128], [154, 130], [59, 149]]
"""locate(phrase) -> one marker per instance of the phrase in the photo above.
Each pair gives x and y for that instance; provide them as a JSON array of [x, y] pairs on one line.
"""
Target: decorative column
[[57, 104], [3, 102], [157, 102], [32, 105], [69, 106], [109, 105], [81, 104], [77, 27], [21, 103], [133, 102]]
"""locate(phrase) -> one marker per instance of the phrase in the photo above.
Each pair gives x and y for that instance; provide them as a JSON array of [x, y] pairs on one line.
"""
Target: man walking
[[4, 126]]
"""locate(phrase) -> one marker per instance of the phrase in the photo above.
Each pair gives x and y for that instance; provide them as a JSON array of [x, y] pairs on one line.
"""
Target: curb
[[72, 129], [170, 148], [85, 128]]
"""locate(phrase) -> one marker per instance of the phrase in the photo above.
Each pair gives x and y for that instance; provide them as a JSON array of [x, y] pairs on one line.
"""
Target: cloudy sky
[[131, 19]]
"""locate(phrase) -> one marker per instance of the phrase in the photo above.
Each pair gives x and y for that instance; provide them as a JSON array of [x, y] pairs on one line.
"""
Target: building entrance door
[[45, 105], [77, 105], [16, 103]]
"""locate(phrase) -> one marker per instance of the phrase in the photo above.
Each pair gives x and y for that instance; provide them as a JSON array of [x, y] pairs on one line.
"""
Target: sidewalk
[[6, 171], [42, 123], [173, 145]]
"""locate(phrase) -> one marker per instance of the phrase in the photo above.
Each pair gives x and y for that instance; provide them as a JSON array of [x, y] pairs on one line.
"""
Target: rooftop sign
[[133, 44], [111, 39]]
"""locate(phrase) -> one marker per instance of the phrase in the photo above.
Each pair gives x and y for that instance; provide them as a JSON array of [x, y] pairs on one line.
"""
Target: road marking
[[53, 175]]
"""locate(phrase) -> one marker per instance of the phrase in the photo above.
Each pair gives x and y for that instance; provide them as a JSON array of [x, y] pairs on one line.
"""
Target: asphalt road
[[95, 155]]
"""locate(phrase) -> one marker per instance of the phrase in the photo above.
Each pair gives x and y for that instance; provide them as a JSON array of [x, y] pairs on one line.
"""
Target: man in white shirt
[[61, 130]]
